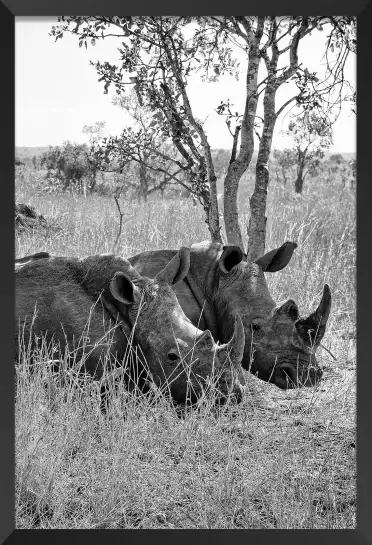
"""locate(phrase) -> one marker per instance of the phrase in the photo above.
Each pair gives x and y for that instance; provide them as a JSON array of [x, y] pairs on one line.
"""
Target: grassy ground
[[278, 460]]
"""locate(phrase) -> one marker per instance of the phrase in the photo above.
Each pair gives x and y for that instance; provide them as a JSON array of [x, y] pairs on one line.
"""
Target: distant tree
[[68, 165], [341, 168], [336, 158], [154, 158], [221, 159], [95, 133], [312, 136], [353, 165], [285, 159], [338, 170]]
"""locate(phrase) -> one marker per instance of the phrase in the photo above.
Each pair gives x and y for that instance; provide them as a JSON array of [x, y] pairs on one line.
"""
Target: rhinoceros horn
[[235, 347], [312, 328], [177, 268]]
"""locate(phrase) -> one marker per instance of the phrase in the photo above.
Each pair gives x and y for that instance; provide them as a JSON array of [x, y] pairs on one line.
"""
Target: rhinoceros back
[[151, 262], [53, 302]]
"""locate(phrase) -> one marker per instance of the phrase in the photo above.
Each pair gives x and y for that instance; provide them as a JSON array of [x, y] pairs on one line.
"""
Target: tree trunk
[[257, 221], [299, 183], [66, 183], [210, 197], [238, 165], [214, 227], [211, 216], [284, 177], [277, 176], [94, 181], [230, 211], [143, 181]]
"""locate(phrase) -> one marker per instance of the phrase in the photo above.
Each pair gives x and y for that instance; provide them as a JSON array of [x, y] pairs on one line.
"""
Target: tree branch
[[293, 53], [116, 198], [235, 144], [285, 105]]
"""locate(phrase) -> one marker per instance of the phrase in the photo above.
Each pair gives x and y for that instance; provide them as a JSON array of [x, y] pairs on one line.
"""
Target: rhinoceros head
[[199, 363], [280, 345], [177, 353]]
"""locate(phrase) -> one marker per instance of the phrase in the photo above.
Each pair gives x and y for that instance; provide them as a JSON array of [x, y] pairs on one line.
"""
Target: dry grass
[[278, 460]]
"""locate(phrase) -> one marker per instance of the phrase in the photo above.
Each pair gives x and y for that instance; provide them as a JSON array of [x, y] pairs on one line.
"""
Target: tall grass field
[[279, 459]]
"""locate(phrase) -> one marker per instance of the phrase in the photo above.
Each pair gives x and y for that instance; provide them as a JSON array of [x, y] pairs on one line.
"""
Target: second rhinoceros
[[68, 299], [279, 344]]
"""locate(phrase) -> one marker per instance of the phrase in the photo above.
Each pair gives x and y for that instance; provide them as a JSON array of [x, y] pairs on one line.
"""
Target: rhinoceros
[[66, 291], [279, 344]]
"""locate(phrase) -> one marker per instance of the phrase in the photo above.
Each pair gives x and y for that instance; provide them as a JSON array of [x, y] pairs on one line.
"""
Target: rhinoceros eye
[[172, 356], [256, 328]]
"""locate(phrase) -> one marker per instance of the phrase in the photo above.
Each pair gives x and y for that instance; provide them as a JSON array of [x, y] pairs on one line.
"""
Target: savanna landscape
[[280, 459]]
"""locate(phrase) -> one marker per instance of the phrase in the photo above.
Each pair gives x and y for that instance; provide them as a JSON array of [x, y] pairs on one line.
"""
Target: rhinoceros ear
[[231, 256], [277, 259], [123, 289], [177, 268]]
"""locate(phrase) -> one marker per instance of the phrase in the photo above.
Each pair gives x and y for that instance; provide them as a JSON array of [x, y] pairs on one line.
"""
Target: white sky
[[57, 91]]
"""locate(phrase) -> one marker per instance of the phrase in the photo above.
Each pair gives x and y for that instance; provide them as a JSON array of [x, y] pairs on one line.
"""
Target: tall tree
[[275, 41], [95, 132], [285, 159], [311, 138], [161, 53], [68, 165], [155, 160]]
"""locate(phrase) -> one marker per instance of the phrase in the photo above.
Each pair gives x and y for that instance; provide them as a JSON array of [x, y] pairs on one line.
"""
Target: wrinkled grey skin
[[280, 346], [106, 288]]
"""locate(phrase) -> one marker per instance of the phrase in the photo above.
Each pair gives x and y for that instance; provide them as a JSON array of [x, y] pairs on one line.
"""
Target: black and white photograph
[[185, 272]]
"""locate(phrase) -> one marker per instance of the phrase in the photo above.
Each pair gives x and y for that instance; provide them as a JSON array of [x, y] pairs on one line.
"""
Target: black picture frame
[[9, 9]]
